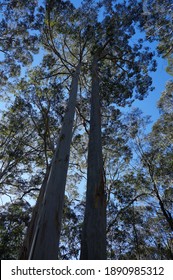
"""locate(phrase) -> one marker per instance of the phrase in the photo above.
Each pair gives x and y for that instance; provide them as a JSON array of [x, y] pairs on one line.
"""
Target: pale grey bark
[[93, 245], [28, 241], [45, 241]]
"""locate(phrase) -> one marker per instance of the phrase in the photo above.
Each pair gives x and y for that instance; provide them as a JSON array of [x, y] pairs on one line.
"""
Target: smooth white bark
[[46, 237], [93, 245]]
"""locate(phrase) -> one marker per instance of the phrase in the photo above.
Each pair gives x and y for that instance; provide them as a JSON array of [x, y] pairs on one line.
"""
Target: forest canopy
[[82, 170]]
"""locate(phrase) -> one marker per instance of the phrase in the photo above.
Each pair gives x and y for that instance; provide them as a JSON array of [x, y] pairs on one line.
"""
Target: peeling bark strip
[[93, 244], [45, 240]]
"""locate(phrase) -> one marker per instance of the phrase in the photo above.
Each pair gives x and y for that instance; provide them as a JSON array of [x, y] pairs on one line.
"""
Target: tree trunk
[[32, 228], [46, 235], [93, 244]]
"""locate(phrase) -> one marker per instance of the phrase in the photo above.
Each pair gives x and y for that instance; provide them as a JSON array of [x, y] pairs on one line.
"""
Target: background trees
[[128, 169], [160, 27], [19, 25]]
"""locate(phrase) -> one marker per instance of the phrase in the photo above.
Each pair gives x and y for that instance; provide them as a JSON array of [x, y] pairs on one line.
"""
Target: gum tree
[[101, 54], [63, 36], [118, 69]]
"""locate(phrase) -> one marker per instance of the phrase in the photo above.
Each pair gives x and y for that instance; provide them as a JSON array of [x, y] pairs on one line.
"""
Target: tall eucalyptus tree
[[65, 37], [94, 228], [77, 40], [119, 68]]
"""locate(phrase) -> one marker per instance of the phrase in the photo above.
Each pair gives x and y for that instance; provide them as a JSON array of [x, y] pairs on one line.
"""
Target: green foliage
[[28, 137], [169, 68], [14, 220], [19, 27], [159, 27], [138, 166]]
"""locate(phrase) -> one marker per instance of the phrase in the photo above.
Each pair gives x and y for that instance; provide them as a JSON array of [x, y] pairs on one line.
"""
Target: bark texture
[[32, 228], [93, 245], [46, 235]]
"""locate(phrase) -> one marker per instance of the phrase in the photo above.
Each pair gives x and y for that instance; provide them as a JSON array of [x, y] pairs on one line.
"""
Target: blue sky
[[160, 77]]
